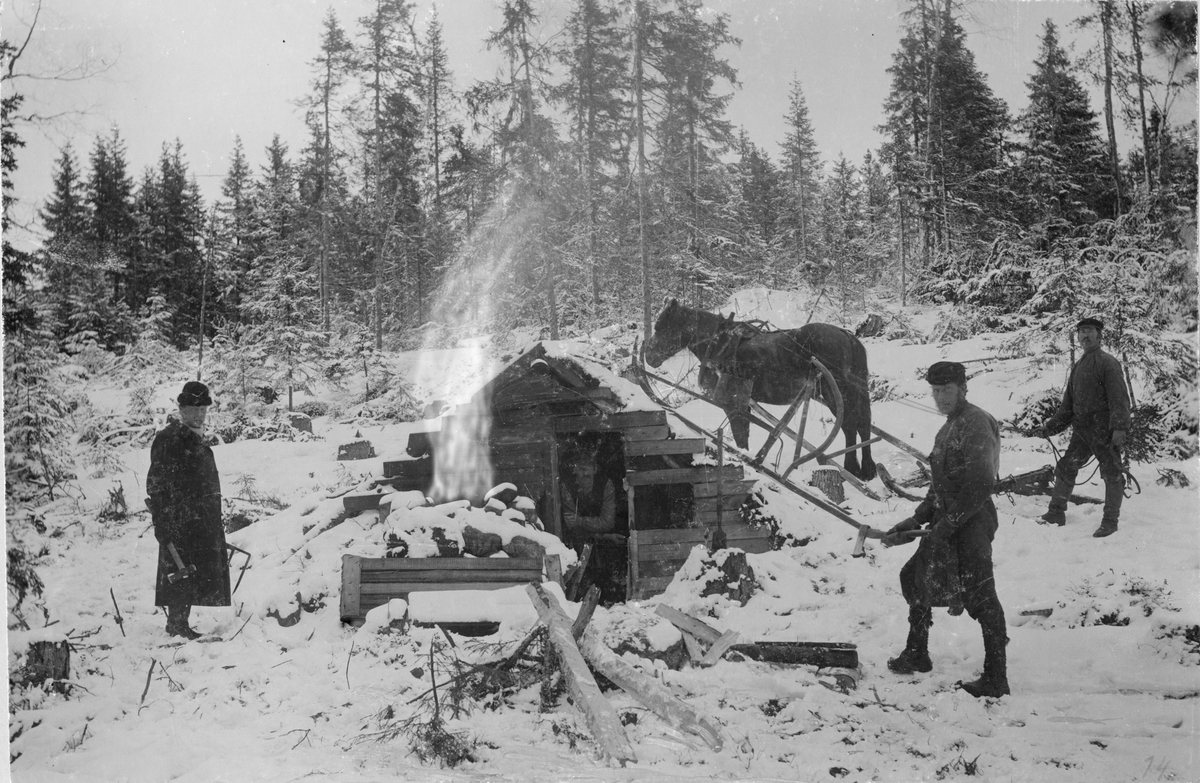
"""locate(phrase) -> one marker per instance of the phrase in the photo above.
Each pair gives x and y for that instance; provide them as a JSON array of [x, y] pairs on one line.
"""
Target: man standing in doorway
[[185, 503], [952, 566], [1096, 403]]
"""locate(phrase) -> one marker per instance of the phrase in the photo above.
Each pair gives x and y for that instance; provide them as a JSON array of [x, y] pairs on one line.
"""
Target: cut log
[[829, 481], [648, 692], [554, 569], [836, 654], [47, 661], [601, 718]]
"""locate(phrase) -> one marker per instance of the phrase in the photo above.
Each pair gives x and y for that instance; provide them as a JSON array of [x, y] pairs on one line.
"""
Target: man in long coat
[[185, 502], [953, 563], [1096, 404]]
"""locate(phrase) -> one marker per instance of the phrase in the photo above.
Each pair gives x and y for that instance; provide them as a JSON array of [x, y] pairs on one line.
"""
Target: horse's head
[[671, 333]]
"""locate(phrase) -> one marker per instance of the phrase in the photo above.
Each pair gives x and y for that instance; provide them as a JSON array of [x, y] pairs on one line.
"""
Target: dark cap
[[946, 372], [1096, 322], [194, 394]]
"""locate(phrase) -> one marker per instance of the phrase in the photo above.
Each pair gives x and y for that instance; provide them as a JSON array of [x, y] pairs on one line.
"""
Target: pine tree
[[802, 167], [1062, 162], [18, 264]]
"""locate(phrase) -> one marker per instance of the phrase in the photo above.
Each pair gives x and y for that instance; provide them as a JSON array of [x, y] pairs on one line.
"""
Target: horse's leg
[[849, 430], [864, 432]]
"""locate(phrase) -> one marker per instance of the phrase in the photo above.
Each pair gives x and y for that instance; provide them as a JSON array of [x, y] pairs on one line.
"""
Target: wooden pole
[[601, 718]]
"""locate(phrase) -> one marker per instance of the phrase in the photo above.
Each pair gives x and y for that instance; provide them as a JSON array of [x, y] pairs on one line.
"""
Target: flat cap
[[195, 394], [946, 372], [1096, 322]]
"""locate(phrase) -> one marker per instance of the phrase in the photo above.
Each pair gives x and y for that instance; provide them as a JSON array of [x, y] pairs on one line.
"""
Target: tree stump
[[47, 661], [300, 421], [829, 481], [736, 580]]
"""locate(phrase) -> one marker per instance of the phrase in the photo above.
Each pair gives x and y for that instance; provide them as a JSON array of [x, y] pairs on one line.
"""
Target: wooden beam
[[652, 448], [719, 648], [601, 718], [700, 474], [586, 609], [688, 624], [648, 692], [905, 447], [554, 569], [351, 578]]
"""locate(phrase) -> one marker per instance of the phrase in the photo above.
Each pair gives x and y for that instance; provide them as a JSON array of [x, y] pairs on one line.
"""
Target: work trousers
[[1090, 439]]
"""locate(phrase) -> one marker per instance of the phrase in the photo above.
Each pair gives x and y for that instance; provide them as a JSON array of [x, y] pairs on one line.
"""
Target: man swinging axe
[[185, 502], [952, 566]]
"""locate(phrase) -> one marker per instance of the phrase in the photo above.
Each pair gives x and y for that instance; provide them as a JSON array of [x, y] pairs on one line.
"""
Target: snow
[[1105, 687]]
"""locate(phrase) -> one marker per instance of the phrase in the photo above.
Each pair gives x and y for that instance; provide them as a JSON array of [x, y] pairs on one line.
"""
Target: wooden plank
[[449, 563], [634, 434], [728, 502], [719, 648], [622, 420], [651, 448], [742, 488], [398, 589], [694, 650], [670, 535], [649, 692], [601, 718], [586, 610], [645, 588], [516, 461], [351, 578], [554, 569], [380, 580], [700, 474], [688, 624], [675, 550], [650, 569]]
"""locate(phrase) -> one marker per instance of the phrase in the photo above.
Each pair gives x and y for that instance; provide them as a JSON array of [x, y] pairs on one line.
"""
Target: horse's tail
[[862, 385]]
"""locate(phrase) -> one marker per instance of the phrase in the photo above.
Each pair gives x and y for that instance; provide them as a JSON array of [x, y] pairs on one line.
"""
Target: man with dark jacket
[[1096, 403], [953, 563], [185, 502]]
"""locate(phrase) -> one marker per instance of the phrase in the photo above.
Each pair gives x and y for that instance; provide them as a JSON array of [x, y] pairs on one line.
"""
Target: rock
[[447, 547], [505, 493], [300, 421], [871, 326], [494, 506], [520, 546], [480, 544], [359, 449]]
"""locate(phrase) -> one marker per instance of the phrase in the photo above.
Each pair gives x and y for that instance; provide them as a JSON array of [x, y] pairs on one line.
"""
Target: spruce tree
[[1062, 158], [66, 259], [113, 230], [802, 167]]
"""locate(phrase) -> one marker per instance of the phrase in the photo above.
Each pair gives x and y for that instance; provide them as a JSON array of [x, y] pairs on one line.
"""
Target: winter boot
[[994, 681], [1114, 495], [177, 622], [1056, 514], [915, 657]]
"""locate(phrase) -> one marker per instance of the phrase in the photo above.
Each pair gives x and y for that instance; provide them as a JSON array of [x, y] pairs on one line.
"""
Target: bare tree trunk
[[1135, 30], [639, 100], [1107, 12]]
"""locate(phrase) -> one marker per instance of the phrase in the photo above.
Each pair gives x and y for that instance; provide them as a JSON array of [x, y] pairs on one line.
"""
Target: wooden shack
[[545, 401]]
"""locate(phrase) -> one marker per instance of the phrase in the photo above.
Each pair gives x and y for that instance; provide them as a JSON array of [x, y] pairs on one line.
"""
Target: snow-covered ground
[[1105, 688]]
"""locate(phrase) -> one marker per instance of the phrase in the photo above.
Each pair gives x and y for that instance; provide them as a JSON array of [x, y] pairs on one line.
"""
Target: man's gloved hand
[[1118, 438], [901, 533], [938, 534]]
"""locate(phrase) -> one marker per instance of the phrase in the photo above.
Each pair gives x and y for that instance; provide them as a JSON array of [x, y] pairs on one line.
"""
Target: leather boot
[[1114, 495], [915, 657], [177, 622], [994, 680], [1056, 514]]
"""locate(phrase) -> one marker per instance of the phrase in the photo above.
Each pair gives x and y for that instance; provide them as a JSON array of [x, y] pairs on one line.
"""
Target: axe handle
[[175, 554]]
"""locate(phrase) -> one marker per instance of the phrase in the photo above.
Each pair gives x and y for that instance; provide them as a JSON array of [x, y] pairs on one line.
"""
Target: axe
[[866, 531], [184, 571]]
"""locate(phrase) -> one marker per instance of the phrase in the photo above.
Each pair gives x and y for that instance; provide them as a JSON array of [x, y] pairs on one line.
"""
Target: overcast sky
[[207, 72]]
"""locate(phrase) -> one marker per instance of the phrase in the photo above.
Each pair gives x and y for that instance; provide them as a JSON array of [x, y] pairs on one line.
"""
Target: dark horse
[[771, 366]]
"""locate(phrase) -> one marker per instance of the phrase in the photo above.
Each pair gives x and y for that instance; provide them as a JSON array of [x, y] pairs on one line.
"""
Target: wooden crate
[[655, 555], [368, 582]]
